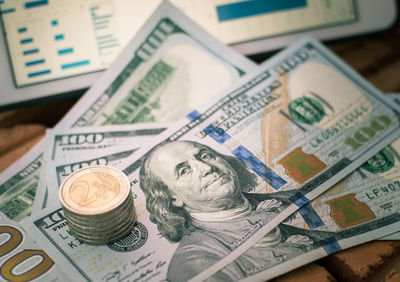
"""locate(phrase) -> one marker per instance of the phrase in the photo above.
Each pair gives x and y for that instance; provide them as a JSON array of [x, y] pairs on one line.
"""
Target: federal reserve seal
[[133, 241], [306, 110], [381, 162]]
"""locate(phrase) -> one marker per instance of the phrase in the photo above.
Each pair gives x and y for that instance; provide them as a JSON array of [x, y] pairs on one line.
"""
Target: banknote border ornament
[[134, 241]]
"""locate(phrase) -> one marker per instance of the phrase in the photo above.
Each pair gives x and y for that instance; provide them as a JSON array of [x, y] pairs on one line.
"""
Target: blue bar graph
[[33, 4], [54, 22], [65, 51], [33, 63], [22, 30], [30, 51], [74, 64], [6, 11], [26, 40], [59, 36], [250, 8], [33, 74]]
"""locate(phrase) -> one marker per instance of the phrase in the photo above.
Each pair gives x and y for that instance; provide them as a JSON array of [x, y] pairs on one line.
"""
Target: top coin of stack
[[98, 204]]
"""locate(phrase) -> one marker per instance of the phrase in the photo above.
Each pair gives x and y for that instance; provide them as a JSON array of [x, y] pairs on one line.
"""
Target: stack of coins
[[98, 204]]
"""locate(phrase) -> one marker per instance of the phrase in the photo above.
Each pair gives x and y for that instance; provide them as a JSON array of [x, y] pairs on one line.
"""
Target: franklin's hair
[[173, 222]]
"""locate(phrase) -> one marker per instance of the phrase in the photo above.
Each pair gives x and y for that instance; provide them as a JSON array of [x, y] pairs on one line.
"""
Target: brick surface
[[394, 276], [363, 262], [47, 114], [376, 57], [385, 79], [16, 141], [358, 55]]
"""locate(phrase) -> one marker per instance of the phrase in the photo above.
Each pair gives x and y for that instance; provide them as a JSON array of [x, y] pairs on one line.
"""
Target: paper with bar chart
[[49, 39], [236, 21], [45, 37]]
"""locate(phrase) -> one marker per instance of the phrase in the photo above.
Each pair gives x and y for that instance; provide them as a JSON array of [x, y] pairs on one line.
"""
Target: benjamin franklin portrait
[[199, 198]]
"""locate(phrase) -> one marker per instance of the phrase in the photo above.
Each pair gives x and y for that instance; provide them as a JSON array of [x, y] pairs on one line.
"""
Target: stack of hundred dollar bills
[[238, 171]]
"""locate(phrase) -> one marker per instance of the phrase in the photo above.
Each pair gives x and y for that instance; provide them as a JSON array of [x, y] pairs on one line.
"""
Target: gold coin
[[94, 190], [126, 206], [96, 239], [122, 228], [108, 224]]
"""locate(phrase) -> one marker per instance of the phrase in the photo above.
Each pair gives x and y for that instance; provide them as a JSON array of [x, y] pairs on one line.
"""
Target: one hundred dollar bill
[[394, 99], [42, 194], [58, 170], [88, 143], [66, 145], [284, 135], [70, 143], [110, 157], [168, 68], [21, 258], [19, 182], [362, 207]]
